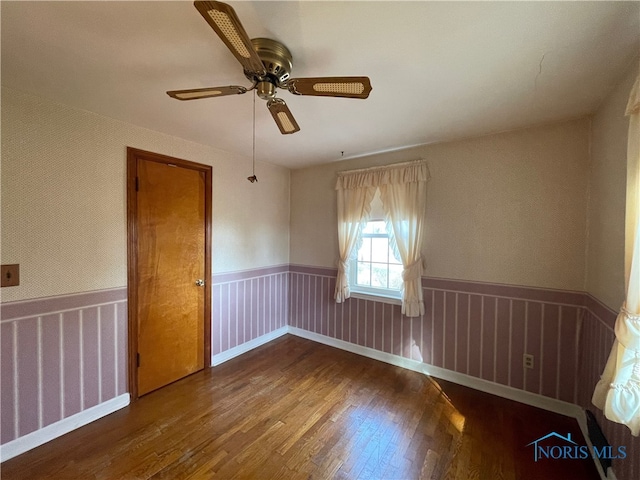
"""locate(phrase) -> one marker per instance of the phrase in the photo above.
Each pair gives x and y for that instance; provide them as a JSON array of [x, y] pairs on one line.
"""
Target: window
[[376, 270], [401, 190]]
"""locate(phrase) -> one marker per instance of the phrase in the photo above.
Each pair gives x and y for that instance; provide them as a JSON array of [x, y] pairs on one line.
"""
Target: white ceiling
[[439, 70]]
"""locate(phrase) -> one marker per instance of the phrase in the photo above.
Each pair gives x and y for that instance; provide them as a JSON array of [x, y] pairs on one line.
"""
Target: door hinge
[[137, 184], [138, 359]]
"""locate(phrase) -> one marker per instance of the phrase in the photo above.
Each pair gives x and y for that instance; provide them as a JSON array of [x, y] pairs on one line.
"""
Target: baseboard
[[66, 425], [359, 349], [219, 358], [533, 399], [504, 391]]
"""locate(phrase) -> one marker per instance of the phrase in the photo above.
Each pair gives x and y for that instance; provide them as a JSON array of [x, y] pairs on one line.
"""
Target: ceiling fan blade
[[225, 22], [282, 115], [196, 93], [348, 87]]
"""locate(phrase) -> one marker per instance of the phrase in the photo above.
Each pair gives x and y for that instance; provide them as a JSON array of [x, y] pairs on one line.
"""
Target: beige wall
[[63, 199], [506, 208], [607, 185]]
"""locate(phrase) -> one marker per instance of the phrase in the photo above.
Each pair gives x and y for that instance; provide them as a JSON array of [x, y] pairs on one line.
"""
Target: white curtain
[[403, 192], [353, 214], [405, 206], [618, 391]]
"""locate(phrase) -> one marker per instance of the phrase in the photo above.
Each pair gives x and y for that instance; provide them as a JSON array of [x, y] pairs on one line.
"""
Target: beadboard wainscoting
[[476, 329], [61, 357], [249, 308], [596, 340], [64, 358]]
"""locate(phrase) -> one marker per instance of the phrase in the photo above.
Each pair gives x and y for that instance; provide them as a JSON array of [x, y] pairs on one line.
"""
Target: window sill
[[376, 298]]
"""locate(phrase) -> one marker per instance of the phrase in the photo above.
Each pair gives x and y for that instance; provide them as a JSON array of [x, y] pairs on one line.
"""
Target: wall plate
[[10, 275]]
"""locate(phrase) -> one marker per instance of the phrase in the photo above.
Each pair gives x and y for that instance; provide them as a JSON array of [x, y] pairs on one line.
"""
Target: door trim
[[133, 154]]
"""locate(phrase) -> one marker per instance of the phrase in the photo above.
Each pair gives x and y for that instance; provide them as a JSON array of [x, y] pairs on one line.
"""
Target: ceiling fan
[[267, 63]]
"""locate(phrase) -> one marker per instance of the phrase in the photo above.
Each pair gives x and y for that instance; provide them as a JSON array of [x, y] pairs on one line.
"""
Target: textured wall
[[63, 199], [505, 208], [64, 222], [607, 196]]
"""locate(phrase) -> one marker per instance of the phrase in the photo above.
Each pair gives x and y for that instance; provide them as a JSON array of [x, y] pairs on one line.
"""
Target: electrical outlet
[[527, 359]]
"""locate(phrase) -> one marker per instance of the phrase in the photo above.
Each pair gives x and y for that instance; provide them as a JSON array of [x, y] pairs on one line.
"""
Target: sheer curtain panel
[[405, 205], [618, 391], [353, 213]]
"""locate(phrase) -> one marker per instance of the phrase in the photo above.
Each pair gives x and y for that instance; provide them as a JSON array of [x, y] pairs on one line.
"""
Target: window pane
[[379, 249], [395, 276], [379, 275], [363, 276], [376, 270], [365, 250]]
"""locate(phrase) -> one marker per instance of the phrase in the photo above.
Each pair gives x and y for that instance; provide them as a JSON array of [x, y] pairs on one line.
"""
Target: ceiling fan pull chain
[[253, 177]]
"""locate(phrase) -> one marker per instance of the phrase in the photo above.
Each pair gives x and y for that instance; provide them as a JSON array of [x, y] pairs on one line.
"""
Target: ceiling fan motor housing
[[277, 62], [266, 90]]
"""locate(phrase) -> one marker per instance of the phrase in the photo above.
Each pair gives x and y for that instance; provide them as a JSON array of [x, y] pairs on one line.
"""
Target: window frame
[[388, 295]]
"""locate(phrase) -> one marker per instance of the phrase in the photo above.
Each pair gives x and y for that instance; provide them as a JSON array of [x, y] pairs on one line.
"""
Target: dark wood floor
[[295, 409]]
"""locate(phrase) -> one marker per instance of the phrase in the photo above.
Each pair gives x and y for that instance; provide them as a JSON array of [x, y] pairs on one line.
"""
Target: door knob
[[200, 283]]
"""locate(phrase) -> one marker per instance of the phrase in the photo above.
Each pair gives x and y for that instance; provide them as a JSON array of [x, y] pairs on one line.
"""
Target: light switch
[[10, 275]]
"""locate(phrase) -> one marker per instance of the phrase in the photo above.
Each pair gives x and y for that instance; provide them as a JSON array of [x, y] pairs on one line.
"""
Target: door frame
[[133, 154]]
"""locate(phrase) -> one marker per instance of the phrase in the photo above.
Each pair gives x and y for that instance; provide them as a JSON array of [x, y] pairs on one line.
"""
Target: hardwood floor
[[295, 409]]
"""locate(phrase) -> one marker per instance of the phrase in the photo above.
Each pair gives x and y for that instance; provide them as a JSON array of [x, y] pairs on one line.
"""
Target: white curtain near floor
[[403, 190], [618, 391]]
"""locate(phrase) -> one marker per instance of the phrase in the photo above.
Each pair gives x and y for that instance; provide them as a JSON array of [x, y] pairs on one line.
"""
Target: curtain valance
[[399, 173]]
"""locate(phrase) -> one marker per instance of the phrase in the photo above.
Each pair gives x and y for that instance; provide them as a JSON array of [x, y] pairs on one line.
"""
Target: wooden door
[[171, 277]]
